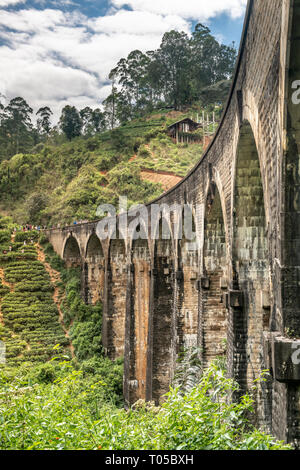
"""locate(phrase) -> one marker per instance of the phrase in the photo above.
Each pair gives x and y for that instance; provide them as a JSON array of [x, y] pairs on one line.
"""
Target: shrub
[[71, 413], [27, 236]]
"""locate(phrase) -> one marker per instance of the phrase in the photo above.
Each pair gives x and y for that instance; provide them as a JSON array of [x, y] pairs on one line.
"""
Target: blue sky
[[58, 52]]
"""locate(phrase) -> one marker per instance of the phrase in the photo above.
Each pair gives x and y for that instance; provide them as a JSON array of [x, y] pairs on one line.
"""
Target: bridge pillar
[[94, 271], [160, 336], [114, 307], [249, 298], [213, 284], [137, 321], [186, 293], [289, 277]]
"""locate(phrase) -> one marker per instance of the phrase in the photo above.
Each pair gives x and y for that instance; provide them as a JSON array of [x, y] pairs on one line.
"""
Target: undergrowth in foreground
[[71, 413]]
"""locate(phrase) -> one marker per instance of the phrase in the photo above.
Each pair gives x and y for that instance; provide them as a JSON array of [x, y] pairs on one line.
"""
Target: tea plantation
[[29, 317]]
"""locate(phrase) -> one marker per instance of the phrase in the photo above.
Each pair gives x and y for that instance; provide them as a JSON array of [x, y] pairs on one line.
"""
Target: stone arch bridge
[[239, 290]]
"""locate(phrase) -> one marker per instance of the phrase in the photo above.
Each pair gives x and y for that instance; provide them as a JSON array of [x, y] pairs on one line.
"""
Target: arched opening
[[186, 283], [117, 285], [71, 254], [95, 270], [162, 323], [250, 263], [141, 263], [214, 319]]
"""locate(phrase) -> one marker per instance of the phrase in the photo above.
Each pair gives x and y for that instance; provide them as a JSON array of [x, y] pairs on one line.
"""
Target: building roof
[[196, 124]]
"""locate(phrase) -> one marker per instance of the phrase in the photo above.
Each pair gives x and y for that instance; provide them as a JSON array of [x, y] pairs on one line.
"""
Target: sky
[[59, 52]]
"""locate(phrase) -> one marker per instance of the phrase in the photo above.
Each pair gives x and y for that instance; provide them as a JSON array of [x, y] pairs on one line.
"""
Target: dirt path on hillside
[[55, 277], [4, 282], [166, 179]]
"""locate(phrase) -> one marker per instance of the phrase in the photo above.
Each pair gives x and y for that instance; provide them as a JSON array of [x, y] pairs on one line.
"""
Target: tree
[[93, 121], [70, 122], [110, 103], [173, 60], [43, 122], [17, 125], [211, 62], [173, 75]]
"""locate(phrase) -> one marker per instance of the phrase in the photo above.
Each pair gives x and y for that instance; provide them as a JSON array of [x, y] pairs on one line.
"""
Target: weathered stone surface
[[286, 359]]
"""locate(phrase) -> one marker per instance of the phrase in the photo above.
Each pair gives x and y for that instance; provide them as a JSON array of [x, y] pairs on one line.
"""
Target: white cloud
[[8, 3], [193, 9], [52, 57], [137, 22]]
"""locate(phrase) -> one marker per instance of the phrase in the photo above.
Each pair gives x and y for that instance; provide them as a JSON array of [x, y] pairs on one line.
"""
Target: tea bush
[[31, 320]]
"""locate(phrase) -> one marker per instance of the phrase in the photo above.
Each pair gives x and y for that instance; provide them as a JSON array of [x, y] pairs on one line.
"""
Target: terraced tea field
[[29, 308]]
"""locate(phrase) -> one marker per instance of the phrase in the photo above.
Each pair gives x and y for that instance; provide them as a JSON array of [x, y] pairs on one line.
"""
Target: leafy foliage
[[173, 75], [70, 412]]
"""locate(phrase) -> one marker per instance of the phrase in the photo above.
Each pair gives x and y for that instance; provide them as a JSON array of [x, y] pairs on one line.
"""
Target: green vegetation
[[30, 325], [58, 174], [83, 320], [29, 319], [60, 184], [62, 408]]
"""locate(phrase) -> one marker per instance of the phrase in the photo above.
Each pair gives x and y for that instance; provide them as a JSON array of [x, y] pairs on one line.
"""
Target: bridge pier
[[137, 321], [160, 339], [186, 292], [214, 281], [115, 304]]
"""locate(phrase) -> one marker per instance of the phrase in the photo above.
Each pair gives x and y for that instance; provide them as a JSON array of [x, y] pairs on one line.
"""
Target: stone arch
[[94, 270], [116, 297], [214, 321], [160, 338], [71, 252], [250, 295], [186, 296]]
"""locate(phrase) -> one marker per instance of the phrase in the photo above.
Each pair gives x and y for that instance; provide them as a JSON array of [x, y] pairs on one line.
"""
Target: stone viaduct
[[238, 292]]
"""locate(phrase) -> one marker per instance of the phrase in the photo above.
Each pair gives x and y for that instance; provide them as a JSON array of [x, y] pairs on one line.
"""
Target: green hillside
[[60, 183]]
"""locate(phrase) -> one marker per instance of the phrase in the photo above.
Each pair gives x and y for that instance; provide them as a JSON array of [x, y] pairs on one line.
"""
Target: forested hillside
[[62, 183]]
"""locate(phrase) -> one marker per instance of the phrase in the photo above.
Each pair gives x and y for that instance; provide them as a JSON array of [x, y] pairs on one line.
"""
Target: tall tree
[[17, 125], [44, 120], [211, 62], [173, 75], [70, 122], [93, 121], [110, 103], [173, 60]]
